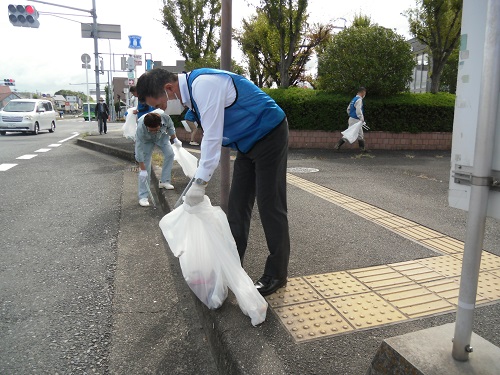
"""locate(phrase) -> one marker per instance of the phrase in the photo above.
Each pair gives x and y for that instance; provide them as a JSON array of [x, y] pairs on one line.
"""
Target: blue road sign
[[135, 42]]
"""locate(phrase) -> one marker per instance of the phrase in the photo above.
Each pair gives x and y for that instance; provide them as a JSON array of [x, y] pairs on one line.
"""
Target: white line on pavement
[[26, 157], [43, 150], [54, 145], [67, 139], [6, 166]]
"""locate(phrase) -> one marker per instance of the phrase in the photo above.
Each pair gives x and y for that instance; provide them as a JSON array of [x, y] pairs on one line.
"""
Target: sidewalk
[[372, 233]]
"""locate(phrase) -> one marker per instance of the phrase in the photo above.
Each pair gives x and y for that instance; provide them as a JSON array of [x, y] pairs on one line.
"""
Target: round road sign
[[85, 58]]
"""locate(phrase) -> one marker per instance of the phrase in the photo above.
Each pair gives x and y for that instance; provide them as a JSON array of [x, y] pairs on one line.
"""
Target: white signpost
[[475, 156]]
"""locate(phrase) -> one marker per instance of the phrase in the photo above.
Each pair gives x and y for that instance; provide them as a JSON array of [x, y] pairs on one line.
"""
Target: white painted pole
[[480, 183]]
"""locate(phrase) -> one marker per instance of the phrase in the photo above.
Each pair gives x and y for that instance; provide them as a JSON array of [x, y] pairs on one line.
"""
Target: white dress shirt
[[212, 94]]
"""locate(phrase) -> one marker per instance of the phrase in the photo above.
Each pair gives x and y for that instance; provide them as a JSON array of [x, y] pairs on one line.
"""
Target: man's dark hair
[[133, 90], [361, 89], [152, 120], [151, 83]]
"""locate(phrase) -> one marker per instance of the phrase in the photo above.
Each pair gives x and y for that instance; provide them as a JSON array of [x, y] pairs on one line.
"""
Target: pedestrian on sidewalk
[[154, 128], [102, 114], [235, 113], [190, 118], [355, 110]]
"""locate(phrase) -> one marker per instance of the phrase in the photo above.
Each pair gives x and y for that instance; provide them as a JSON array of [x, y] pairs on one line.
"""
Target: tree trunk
[[437, 70]]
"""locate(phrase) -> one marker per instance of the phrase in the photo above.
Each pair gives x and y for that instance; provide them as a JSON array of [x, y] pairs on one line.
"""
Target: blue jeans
[[168, 160]]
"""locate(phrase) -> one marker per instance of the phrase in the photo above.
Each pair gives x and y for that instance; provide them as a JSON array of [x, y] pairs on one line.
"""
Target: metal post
[[88, 101], [225, 64], [480, 183], [110, 84], [96, 50]]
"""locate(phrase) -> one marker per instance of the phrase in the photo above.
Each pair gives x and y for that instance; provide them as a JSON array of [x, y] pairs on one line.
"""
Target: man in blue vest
[[356, 111], [235, 113]]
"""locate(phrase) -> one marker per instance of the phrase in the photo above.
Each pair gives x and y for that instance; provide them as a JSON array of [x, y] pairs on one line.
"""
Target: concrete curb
[[110, 150], [222, 327]]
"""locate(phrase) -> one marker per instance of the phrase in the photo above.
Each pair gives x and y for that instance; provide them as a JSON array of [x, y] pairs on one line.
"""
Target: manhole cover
[[302, 170]]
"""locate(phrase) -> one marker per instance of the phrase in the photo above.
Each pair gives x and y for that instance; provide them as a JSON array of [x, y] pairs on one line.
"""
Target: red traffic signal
[[9, 82], [23, 15]]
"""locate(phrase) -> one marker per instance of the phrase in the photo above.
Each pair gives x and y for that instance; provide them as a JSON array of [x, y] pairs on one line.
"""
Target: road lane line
[[26, 157], [67, 139], [43, 150], [6, 166]]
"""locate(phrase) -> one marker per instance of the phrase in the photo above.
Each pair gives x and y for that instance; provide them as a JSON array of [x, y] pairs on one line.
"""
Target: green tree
[[450, 73], [374, 57], [212, 61], [278, 42], [259, 46], [437, 24], [195, 26]]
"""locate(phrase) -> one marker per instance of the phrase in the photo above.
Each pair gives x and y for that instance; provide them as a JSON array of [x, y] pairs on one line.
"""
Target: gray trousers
[[261, 174]]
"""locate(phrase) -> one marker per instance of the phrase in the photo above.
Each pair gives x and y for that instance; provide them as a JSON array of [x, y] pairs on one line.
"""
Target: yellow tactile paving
[[380, 277], [416, 271], [312, 321], [446, 265], [445, 244], [336, 284], [318, 306], [296, 291], [488, 261], [366, 310]]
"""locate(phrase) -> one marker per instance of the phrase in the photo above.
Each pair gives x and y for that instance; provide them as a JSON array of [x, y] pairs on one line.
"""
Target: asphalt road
[[71, 298]]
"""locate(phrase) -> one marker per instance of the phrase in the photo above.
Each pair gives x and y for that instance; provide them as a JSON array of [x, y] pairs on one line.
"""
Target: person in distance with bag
[[356, 113], [235, 113]]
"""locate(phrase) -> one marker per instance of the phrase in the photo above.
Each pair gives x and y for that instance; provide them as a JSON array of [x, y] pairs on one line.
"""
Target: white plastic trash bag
[[351, 134], [130, 126], [201, 238], [187, 161]]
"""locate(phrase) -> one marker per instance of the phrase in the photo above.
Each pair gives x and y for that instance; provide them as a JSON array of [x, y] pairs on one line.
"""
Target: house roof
[[5, 92]]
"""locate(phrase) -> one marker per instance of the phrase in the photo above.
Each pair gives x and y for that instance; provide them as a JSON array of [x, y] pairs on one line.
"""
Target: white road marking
[[43, 150], [5, 166], [54, 145], [67, 139], [28, 156]]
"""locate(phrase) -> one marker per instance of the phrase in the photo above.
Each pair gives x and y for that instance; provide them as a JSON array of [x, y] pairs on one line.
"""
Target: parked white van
[[27, 115]]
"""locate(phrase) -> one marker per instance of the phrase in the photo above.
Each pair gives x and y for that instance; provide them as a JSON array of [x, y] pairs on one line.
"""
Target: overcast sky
[[48, 59]]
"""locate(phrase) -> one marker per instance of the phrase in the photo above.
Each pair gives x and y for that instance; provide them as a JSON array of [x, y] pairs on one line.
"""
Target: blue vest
[[249, 118], [143, 108], [352, 109]]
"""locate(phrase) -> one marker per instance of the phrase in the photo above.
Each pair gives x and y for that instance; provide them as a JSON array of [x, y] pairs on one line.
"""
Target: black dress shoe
[[268, 285]]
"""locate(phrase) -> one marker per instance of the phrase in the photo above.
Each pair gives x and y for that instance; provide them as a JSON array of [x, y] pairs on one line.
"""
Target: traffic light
[[130, 63], [23, 16], [9, 82]]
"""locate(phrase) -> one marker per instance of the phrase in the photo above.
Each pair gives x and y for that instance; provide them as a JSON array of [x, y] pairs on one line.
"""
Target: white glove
[[143, 175], [195, 194], [177, 143]]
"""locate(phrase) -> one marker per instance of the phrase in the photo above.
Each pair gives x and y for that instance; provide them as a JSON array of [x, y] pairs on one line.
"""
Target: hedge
[[322, 110]]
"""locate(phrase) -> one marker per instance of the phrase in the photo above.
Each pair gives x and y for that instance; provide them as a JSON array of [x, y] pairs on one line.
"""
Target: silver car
[[27, 115]]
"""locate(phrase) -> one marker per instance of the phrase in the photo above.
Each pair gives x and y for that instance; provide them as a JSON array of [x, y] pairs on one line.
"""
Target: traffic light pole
[[94, 35]]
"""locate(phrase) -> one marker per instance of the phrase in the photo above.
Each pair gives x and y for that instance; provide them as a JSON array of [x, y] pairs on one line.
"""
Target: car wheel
[[3, 133], [52, 127], [36, 128]]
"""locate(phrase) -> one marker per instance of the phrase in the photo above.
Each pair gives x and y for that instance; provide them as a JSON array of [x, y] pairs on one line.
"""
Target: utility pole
[[96, 52], [225, 64]]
